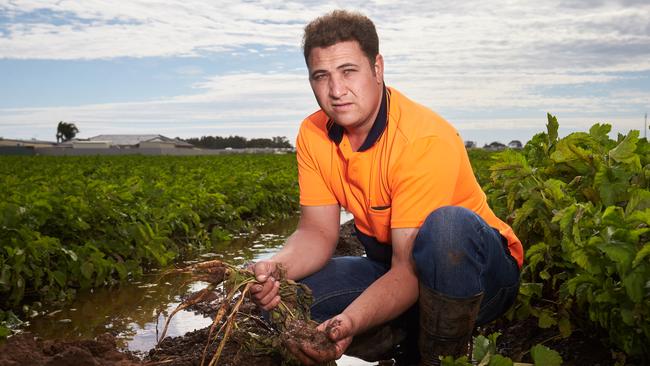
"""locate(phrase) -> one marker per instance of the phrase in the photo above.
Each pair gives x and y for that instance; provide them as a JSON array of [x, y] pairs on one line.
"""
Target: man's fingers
[[262, 290], [265, 292], [263, 270], [296, 349], [256, 288], [272, 304], [335, 329], [342, 345], [270, 291], [319, 353], [335, 334]]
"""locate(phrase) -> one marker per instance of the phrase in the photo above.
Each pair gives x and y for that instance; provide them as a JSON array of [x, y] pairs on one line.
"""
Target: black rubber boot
[[446, 325], [377, 344]]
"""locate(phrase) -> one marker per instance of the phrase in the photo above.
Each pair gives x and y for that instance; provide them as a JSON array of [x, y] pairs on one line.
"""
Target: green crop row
[[581, 206], [69, 223]]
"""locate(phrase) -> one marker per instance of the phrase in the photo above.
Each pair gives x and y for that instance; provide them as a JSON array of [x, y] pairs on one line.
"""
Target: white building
[[132, 142]]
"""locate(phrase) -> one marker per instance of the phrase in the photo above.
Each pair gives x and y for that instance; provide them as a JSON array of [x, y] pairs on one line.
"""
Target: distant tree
[[259, 142], [281, 141], [494, 146], [470, 144], [236, 142], [239, 142], [66, 131]]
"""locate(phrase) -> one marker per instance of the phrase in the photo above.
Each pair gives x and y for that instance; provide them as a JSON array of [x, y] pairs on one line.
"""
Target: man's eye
[[319, 77]]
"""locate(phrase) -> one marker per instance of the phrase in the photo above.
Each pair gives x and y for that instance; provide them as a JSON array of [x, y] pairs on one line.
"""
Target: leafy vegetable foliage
[[71, 223], [581, 206], [484, 353]]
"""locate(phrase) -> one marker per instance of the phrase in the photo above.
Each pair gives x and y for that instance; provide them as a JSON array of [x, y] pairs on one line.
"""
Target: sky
[[191, 68]]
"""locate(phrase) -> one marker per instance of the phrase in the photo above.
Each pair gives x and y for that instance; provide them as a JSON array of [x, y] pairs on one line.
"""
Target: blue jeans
[[456, 254]]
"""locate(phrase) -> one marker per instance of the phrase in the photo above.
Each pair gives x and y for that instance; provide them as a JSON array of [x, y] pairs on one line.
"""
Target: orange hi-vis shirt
[[412, 163]]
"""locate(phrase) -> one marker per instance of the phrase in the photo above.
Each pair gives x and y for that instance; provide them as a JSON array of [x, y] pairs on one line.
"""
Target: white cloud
[[246, 104], [257, 105], [471, 56]]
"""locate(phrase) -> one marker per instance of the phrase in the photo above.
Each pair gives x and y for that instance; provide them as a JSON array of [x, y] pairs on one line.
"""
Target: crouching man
[[438, 263]]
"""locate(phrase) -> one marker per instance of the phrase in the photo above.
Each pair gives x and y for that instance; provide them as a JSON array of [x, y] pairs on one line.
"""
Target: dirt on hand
[[302, 332]]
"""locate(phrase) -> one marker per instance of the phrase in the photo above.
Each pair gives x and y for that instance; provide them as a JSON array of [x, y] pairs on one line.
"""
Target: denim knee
[[447, 251], [441, 239]]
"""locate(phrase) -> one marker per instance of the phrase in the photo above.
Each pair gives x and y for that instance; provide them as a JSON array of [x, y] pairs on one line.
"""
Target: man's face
[[346, 86]]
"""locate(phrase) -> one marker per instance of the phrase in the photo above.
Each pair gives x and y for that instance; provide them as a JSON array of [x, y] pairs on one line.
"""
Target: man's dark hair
[[340, 26]]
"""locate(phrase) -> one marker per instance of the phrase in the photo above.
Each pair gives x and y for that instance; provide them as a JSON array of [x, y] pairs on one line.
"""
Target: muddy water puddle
[[136, 311]]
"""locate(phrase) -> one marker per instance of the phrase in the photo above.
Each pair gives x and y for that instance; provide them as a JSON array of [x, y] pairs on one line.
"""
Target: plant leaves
[[546, 319], [624, 151], [484, 346], [498, 360], [564, 324], [87, 270], [634, 285], [551, 127], [544, 356], [641, 255]]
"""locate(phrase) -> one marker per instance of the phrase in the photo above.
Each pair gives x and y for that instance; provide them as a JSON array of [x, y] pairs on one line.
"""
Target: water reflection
[[130, 310]]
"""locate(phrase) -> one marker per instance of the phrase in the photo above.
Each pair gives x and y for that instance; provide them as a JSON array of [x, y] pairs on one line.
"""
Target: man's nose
[[337, 87]]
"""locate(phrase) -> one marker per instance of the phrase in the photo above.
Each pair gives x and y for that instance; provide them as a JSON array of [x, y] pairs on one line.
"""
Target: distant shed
[[142, 142], [91, 144]]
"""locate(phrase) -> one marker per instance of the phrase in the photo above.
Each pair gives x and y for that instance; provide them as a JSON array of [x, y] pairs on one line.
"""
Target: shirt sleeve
[[424, 179], [313, 189]]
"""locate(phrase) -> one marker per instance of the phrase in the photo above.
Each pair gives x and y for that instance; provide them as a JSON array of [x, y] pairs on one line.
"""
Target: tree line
[[238, 142]]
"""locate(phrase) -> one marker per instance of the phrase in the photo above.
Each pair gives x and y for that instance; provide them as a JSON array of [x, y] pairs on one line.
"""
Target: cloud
[[253, 104], [273, 104], [463, 59], [99, 29]]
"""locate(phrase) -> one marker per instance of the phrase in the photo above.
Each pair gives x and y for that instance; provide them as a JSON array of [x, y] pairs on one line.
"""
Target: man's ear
[[379, 68]]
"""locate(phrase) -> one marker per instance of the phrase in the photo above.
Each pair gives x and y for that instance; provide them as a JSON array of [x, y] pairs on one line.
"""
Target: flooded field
[[136, 311]]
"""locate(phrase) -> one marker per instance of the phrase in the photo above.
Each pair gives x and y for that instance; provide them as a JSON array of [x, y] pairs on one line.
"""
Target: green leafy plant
[[484, 353], [73, 223], [581, 206]]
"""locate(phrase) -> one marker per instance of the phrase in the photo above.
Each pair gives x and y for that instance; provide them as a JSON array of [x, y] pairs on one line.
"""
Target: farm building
[[515, 144], [132, 142]]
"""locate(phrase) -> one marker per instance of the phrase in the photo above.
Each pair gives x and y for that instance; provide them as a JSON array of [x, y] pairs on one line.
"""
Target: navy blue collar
[[335, 132]]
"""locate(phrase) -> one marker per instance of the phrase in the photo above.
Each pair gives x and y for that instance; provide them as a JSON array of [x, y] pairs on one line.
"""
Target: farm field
[[580, 204], [74, 223]]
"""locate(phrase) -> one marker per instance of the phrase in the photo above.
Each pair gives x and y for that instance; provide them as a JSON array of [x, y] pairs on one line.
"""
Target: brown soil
[[25, 349], [188, 351], [348, 243], [582, 348]]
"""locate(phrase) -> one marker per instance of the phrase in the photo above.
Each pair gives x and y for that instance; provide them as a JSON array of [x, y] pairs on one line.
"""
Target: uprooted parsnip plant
[[289, 320]]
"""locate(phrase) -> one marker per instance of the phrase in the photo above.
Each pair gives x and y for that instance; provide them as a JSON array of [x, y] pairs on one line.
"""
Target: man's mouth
[[341, 106]]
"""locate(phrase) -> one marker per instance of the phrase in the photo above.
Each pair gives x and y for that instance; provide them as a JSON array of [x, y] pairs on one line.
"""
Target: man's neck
[[357, 136]]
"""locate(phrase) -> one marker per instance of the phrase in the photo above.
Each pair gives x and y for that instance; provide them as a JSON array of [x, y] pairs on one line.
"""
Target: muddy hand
[[326, 343], [338, 330], [265, 293]]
